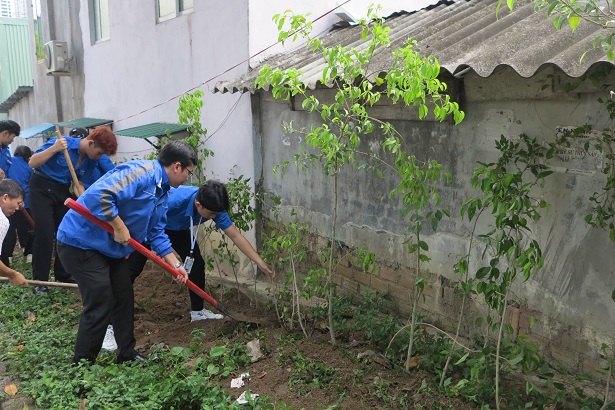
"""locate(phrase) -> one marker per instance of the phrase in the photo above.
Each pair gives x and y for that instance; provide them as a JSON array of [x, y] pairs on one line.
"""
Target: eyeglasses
[[190, 173]]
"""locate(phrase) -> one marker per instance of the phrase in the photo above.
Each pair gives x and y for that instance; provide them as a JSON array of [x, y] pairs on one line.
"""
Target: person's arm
[[15, 278], [42, 157], [120, 231], [246, 248]]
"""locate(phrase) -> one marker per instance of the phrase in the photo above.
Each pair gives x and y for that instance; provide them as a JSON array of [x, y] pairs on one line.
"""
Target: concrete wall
[[570, 297]]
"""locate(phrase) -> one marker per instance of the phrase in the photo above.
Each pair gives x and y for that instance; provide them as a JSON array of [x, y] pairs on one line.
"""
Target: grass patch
[[37, 342]]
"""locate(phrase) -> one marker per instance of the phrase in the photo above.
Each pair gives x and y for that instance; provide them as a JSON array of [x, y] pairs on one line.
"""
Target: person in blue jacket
[[50, 186], [104, 162], [8, 131], [132, 198], [20, 225], [190, 206], [104, 165]]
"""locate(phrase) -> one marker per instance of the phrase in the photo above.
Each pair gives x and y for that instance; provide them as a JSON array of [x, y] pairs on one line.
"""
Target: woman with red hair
[[50, 186]]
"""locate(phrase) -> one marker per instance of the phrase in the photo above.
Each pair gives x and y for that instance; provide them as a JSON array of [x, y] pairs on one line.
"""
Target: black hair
[[12, 188], [213, 196], [11, 126], [177, 151], [23, 151]]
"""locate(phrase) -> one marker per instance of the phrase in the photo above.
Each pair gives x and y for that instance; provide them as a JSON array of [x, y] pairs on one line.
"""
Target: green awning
[[155, 129], [85, 122]]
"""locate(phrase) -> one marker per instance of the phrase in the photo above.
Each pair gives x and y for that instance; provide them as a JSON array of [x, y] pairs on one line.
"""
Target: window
[[168, 9], [99, 20]]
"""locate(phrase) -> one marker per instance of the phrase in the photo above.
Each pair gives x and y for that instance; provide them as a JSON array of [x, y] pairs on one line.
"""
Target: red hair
[[105, 139]]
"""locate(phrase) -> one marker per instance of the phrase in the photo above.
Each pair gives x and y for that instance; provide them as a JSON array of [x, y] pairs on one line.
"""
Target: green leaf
[[463, 359], [573, 22]]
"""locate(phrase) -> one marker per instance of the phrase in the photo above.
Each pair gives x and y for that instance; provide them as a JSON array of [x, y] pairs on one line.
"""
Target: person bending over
[[133, 199], [191, 206], [11, 197]]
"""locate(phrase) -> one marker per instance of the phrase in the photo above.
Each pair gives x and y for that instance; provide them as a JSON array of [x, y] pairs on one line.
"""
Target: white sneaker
[[204, 314], [29, 258], [109, 341]]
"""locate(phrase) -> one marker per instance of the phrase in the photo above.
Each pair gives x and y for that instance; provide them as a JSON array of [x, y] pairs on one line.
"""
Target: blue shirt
[[181, 208], [103, 166], [20, 172], [5, 159], [137, 192], [56, 167]]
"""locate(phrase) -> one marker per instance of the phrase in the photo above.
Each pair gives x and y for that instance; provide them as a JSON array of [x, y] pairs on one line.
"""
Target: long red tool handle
[[83, 211]]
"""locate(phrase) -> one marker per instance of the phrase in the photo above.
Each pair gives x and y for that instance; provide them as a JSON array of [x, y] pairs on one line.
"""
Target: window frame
[[96, 23], [178, 12]]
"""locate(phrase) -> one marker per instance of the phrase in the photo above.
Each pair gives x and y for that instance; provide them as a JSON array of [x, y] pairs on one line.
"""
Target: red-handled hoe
[[83, 211]]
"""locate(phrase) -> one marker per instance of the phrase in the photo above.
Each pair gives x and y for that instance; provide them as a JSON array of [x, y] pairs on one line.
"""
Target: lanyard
[[193, 235]]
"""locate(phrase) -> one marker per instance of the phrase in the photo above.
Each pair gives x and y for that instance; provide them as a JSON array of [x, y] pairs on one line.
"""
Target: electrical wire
[[228, 69]]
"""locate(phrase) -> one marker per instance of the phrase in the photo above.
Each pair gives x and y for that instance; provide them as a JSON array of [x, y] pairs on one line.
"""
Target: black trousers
[[19, 226], [180, 241], [47, 205], [107, 296]]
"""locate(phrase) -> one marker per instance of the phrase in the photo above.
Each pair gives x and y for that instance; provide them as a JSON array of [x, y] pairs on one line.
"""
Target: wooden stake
[[43, 283]]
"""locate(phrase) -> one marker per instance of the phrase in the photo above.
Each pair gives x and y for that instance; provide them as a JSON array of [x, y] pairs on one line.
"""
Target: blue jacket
[[20, 172], [103, 166], [181, 208], [57, 168], [5, 159], [137, 191]]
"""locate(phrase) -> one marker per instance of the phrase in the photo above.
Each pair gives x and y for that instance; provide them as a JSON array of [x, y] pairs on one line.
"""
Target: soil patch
[[336, 378]]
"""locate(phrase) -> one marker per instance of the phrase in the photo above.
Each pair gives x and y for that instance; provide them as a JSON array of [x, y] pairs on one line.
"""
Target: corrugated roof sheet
[[461, 34], [155, 129], [38, 130], [17, 78], [85, 122]]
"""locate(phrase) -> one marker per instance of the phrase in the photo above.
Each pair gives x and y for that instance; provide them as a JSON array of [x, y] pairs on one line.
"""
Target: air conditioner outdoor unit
[[56, 58]]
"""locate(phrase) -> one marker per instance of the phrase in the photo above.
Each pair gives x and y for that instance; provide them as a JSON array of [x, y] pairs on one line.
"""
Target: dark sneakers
[[40, 290], [136, 358]]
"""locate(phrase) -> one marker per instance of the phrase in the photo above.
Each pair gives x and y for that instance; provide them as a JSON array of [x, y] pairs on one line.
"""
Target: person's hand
[[184, 275], [265, 268], [2, 175], [18, 279], [121, 235], [59, 145]]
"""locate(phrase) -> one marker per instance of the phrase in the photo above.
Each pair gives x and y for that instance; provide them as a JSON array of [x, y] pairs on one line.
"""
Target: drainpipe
[[56, 80]]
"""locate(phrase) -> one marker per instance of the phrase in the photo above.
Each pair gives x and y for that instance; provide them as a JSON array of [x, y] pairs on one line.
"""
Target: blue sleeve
[[158, 239], [223, 221], [104, 164], [46, 145]]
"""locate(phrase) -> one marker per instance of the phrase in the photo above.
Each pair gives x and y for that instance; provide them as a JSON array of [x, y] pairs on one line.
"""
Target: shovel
[[83, 211]]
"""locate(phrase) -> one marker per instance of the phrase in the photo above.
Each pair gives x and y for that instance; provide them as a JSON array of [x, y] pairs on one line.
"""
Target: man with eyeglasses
[[133, 199]]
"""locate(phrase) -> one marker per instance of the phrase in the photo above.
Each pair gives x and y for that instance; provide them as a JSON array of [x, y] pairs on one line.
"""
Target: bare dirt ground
[[162, 316]]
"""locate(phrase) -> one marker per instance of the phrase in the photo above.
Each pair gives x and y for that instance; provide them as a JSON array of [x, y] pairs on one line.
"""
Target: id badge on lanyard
[[188, 262]]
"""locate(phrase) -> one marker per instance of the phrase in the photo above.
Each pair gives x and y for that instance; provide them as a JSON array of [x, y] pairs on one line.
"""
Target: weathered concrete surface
[[570, 297]]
